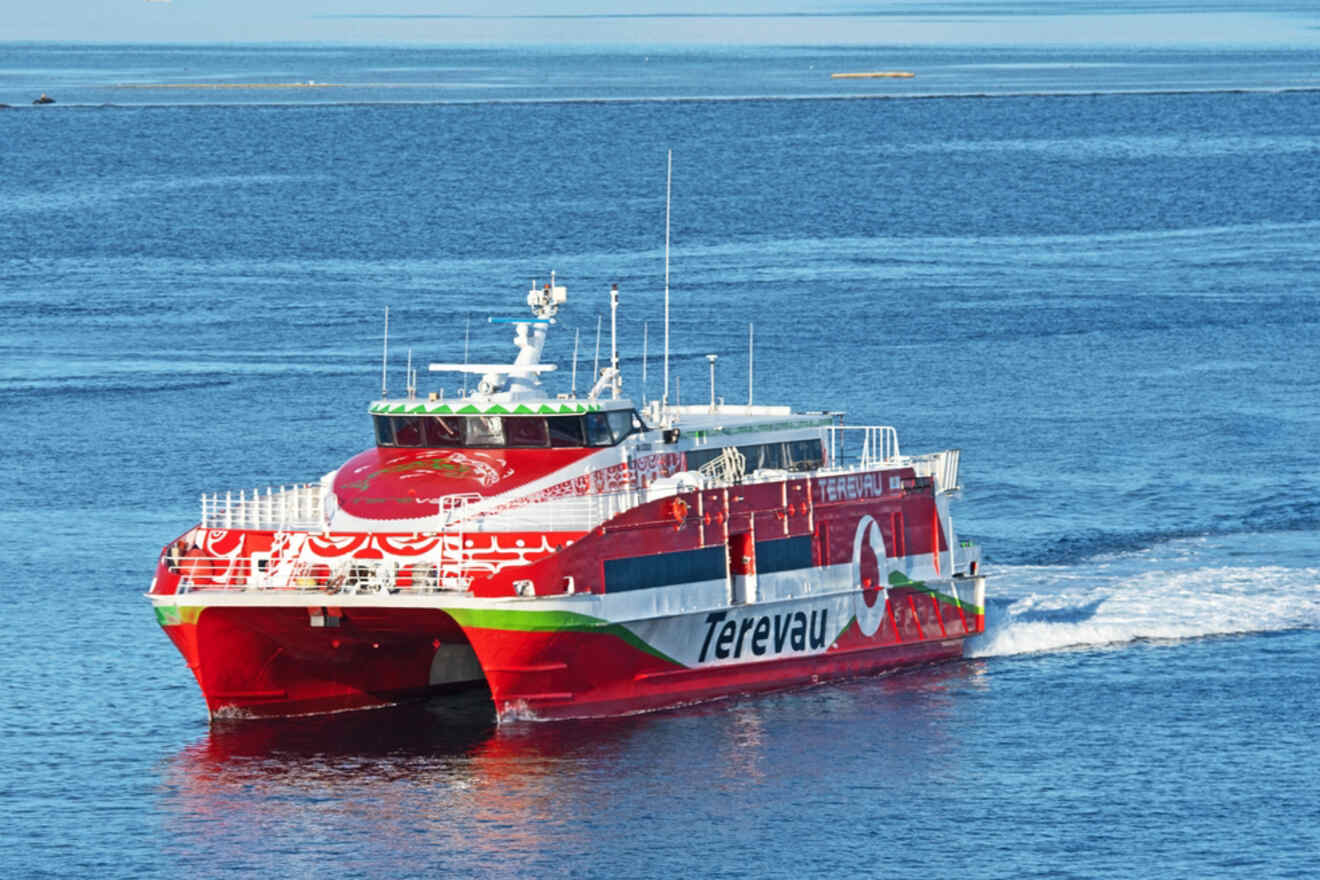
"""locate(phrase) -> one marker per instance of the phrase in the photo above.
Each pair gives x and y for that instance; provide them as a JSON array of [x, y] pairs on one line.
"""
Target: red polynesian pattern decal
[[635, 473], [383, 483], [220, 557]]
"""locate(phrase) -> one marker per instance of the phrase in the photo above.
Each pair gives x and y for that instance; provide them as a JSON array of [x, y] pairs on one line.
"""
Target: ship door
[[742, 568]]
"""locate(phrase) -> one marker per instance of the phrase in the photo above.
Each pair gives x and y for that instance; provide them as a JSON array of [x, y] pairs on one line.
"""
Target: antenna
[[467, 333], [577, 334], [712, 358], [614, 342], [595, 366], [412, 377], [645, 340], [669, 177], [751, 336], [385, 356]]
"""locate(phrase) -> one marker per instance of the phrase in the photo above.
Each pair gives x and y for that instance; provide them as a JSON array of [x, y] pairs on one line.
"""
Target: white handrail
[[296, 507], [879, 445]]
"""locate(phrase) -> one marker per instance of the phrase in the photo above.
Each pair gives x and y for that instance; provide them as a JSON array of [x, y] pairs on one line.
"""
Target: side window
[[526, 431], [444, 431], [598, 430], [621, 423], [697, 457], [408, 432], [485, 431], [566, 431], [384, 430], [805, 455]]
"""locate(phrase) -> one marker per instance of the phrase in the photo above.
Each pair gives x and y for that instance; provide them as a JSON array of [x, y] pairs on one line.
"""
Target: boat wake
[[1134, 598]]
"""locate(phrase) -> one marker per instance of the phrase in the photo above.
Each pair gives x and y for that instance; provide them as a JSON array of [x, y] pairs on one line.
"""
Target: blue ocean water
[[1092, 270]]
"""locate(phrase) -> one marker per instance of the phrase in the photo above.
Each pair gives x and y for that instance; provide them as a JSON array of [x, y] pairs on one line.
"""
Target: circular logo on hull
[[870, 575]]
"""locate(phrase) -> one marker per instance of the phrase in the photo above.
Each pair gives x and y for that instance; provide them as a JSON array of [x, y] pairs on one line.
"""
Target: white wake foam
[[1143, 596]]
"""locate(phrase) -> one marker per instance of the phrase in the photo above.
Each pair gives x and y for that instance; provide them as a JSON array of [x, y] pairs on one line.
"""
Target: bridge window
[[566, 431], [516, 431], [408, 432], [485, 431], [598, 430], [526, 432], [443, 431], [621, 423]]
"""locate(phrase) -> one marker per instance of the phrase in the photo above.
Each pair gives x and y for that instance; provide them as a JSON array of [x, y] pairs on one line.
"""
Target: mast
[[577, 335], [385, 356], [751, 336], [614, 341], [669, 177]]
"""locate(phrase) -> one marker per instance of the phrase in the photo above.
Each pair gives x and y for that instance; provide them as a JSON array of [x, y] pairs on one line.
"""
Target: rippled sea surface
[[1095, 271]]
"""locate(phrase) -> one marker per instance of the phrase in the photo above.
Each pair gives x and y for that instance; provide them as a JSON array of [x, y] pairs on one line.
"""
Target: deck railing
[[256, 572], [296, 507], [863, 446]]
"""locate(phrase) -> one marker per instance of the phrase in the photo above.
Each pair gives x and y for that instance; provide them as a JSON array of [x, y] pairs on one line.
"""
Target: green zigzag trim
[[471, 409], [517, 620]]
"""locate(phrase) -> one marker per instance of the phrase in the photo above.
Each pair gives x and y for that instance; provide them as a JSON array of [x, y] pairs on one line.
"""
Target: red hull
[[280, 661]]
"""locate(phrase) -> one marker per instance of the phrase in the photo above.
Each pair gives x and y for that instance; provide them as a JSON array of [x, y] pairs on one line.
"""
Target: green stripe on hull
[[175, 615], [898, 579], [511, 620]]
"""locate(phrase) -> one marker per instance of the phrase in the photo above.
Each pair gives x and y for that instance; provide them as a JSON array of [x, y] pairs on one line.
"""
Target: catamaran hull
[[543, 660]]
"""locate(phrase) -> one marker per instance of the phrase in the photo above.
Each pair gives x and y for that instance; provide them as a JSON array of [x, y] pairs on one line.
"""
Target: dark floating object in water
[[44, 99]]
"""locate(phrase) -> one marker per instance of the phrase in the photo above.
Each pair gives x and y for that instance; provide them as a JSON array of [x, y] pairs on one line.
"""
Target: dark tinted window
[[444, 431], [526, 431], [598, 430], [566, 431], [685, 566], [408, 432], [593, 429], [799, 455], [384, 430], [697, 457], [771, 455], [621, 423], [804, 455]]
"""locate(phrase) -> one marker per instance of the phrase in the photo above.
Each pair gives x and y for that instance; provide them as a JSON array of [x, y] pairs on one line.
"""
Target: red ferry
[[577, 555]]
